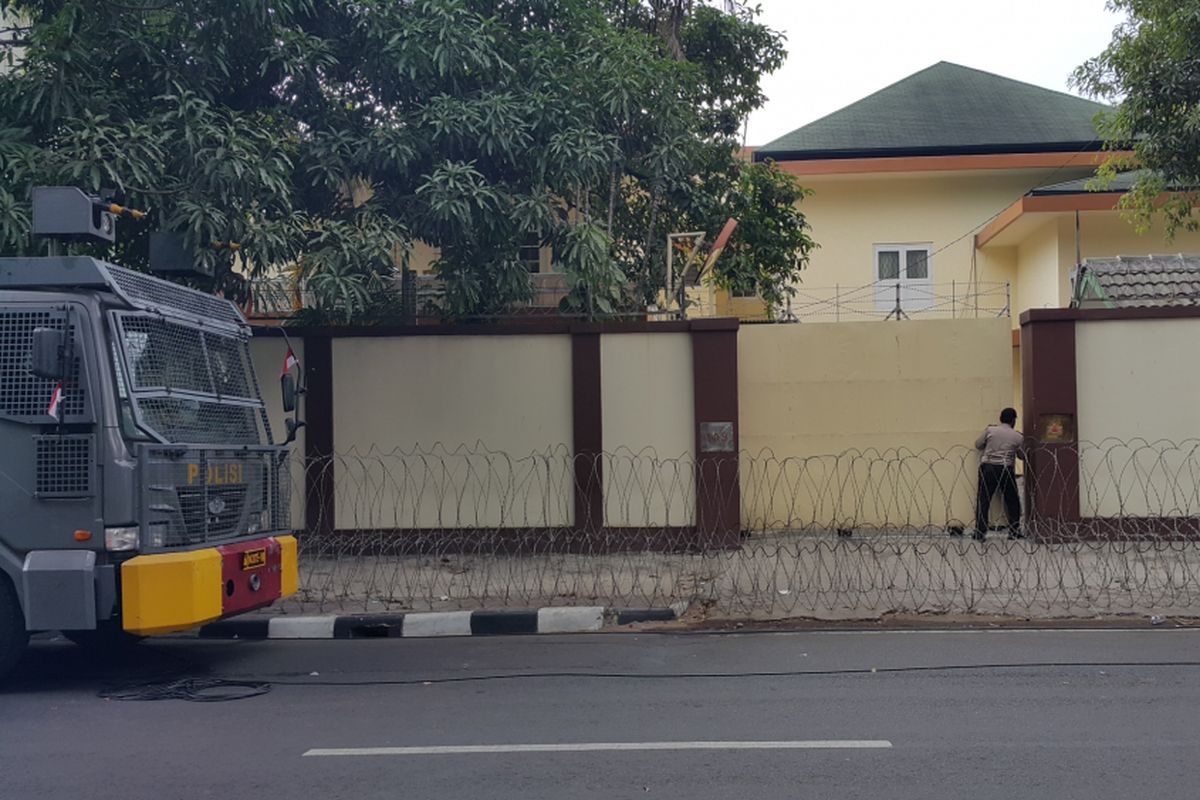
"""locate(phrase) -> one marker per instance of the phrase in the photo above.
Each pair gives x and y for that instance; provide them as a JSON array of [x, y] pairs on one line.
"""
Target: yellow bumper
[[176, 591]]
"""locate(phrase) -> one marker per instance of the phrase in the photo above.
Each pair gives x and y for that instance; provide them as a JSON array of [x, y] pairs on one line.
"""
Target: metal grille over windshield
[[189, 385]]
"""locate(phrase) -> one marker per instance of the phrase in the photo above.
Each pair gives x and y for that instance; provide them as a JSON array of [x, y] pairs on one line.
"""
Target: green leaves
[[1149, 71], [457, 197], [771, 245], [347, 263], [597, 282], [327, 136]]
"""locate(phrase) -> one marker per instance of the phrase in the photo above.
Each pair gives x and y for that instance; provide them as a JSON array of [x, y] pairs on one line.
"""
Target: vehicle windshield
[[185, 385]]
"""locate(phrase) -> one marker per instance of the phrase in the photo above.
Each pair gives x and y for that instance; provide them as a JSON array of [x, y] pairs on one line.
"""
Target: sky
[[839, 51]]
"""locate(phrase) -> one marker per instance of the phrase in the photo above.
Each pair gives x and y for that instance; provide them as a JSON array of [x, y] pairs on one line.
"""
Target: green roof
[[946, 109], [1123, 182]]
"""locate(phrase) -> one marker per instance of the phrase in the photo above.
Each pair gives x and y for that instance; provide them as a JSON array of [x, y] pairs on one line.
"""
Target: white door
[[905, 267]]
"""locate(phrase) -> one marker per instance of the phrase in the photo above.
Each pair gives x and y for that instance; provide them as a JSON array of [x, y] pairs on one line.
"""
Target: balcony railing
[[891, 300], [280, 297]]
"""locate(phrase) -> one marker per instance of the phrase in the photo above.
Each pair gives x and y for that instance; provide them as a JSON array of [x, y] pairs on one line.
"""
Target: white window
[[908, 267], [531, 256]]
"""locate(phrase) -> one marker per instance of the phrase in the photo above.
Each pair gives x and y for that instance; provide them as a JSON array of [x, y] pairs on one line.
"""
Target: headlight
[[158, 534], [119, 540]]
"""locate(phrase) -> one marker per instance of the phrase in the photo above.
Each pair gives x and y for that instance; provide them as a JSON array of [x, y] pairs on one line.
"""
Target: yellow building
[[954, 192]]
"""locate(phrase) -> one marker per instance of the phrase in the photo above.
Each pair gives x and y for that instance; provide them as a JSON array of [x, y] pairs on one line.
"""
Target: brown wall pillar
[[1051, 407], [587, 428], [715, 376], [318, 434]]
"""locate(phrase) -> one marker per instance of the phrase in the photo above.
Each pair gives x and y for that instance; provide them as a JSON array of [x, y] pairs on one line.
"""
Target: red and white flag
[[289, 361], [56, 402]]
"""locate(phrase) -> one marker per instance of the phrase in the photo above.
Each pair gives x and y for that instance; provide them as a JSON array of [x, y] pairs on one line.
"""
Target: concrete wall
[[648, 407], [824, 390], [1136, 384], [493, 410]]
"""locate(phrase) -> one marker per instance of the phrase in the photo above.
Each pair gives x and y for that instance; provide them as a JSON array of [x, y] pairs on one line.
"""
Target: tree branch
[[142, 8]]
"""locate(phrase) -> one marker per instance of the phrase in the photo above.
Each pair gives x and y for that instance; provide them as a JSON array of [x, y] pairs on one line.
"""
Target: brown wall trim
[[1050, 203], [587, 430], [1097, 314], [536, 327], [1006, 217], [715, 386], [1049, 387], [1083, 201], [318, 434]]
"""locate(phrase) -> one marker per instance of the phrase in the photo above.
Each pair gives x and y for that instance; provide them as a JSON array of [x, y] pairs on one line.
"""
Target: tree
[[330, 135], [1149, 70]]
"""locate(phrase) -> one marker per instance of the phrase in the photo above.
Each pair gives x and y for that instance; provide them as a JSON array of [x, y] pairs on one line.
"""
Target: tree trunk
[[612, 197], [668, 21]]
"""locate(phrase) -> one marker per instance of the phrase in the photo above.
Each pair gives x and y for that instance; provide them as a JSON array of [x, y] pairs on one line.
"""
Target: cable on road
[[217, 690], [196, 690], [728, 675]]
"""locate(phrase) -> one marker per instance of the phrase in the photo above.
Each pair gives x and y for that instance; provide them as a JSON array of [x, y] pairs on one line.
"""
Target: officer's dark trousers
[[993, 477]]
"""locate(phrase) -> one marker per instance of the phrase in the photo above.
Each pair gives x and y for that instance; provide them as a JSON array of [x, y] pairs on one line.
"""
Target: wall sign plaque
[[1056, 428], [716, 437]]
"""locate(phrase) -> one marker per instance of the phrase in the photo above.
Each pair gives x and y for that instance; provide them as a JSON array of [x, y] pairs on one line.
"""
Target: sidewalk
[[775, 576]]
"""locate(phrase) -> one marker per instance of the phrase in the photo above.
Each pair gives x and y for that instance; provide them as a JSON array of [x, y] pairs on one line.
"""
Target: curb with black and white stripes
[[553, 619]]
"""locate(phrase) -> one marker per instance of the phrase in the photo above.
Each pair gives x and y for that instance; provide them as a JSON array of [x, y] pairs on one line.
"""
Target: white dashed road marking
[[597, 747]]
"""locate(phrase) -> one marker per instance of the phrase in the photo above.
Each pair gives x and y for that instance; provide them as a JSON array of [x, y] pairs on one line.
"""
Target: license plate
[[253, 559]]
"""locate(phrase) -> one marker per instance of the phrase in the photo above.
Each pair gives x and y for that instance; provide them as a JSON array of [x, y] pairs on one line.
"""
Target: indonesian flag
[[56, 402], [289, 361]]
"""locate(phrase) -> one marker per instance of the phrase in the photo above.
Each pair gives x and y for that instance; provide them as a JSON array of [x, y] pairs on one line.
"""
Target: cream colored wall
[[741, 307], [422, 256], [809, 391], [1046, 258], [648, 429], [8, 18], [1039, 271], [1138, 397], [453, 431], [850, 214], [267, 354], [1103, 235]]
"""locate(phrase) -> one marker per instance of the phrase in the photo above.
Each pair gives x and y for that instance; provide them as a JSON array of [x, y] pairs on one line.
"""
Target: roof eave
[[1042, 204], [767, 154]]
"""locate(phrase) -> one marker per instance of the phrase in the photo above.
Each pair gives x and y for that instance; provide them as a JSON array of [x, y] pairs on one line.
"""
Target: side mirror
[[293, 427], [287, 385], [49, 359]]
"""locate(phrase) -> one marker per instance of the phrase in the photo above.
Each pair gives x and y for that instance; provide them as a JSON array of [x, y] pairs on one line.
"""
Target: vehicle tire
[[109, 638], [13, 636]]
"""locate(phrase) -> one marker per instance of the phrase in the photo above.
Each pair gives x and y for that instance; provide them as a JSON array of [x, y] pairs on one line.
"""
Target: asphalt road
[[1024, 714]]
